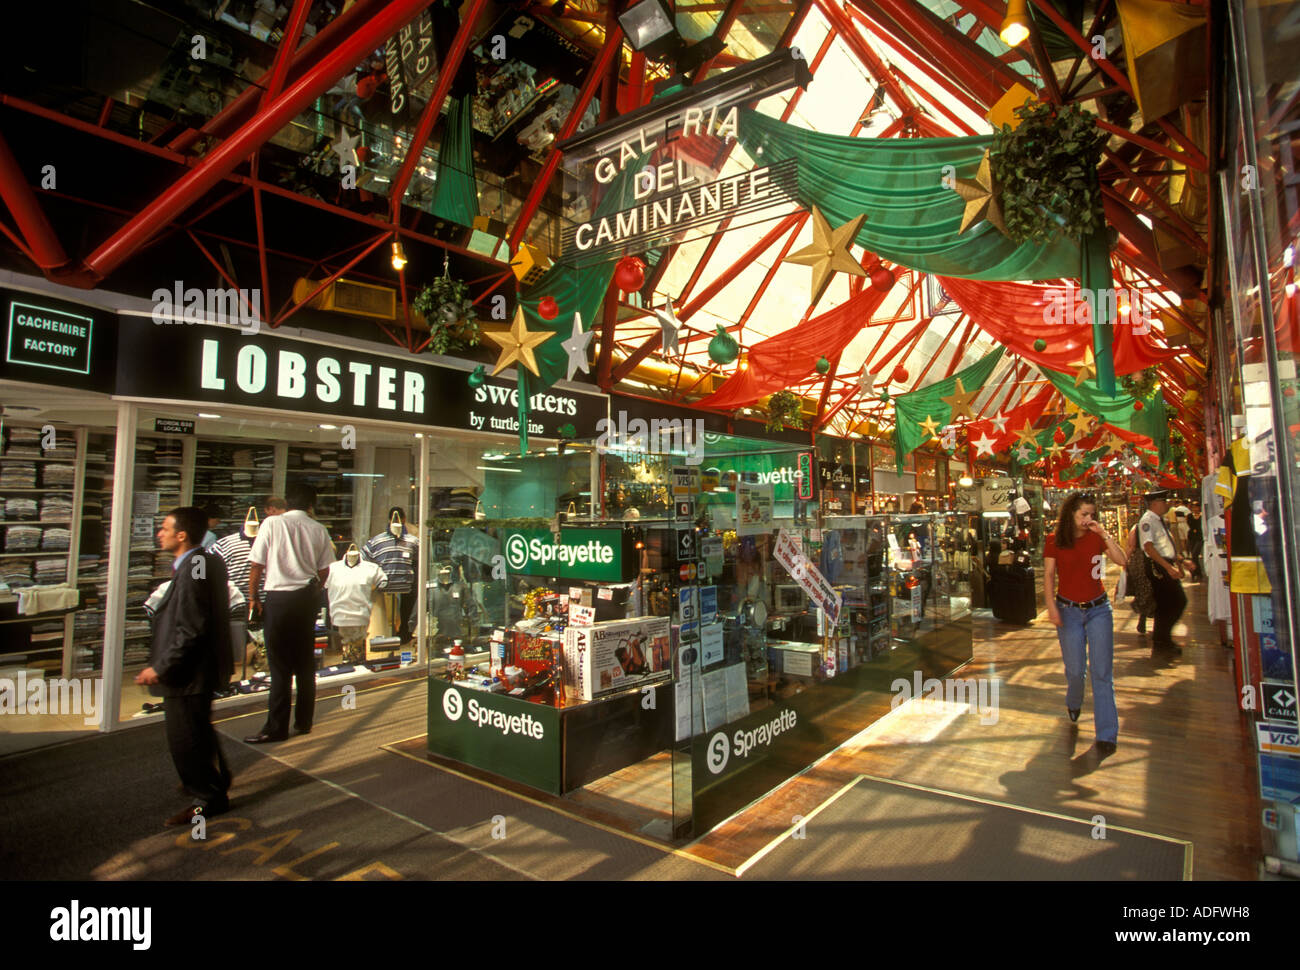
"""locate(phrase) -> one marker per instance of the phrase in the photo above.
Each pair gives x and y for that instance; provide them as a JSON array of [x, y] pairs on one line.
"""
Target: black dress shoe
[[302, 730], [1106, 748], [1073, 712], [1169, 647], [185, 817], [265, 738]]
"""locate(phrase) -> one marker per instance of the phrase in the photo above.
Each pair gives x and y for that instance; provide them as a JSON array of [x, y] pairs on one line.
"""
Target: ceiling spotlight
[[399, 255], [650, 28], [1015, 28]]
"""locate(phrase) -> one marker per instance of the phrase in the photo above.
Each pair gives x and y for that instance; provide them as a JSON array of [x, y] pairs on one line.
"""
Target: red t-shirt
[[1074, 566]]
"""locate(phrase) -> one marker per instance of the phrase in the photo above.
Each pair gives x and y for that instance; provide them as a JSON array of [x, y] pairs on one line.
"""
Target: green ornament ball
[[884, 396], [477, 376], [822, 365], [723, 348], [1040, 345]]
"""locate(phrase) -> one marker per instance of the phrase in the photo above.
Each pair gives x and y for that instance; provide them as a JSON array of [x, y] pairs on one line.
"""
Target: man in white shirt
[[293, 552], [1164, 569]]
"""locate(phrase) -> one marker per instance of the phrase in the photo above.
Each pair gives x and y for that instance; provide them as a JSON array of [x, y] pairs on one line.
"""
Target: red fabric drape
[[1031, 410], [790, 357], [1017, 314]]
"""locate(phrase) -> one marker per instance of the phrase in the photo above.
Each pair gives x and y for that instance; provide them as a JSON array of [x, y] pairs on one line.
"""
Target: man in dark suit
[[190, 659]]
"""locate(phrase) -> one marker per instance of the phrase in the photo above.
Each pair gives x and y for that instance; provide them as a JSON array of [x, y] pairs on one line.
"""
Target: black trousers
[[406, 625], [290, 639], [1170, 603], [195, 750]]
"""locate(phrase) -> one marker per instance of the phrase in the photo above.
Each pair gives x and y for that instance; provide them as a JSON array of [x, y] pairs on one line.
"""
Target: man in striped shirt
[[233, 550]]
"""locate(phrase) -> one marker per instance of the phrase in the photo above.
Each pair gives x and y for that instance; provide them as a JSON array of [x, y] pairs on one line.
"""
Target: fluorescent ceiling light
[[489, 468], [203, 414]]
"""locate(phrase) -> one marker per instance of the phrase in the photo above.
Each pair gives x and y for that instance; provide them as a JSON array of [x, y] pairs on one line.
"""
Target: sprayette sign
[[599, 555]]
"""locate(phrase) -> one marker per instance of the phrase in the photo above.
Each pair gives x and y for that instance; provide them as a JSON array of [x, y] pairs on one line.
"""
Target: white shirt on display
[[293, 547], [350, 588]]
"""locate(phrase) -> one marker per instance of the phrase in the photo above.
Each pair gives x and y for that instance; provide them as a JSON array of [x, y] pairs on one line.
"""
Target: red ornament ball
[[1137, 405], [882, 279], [1288, 392], [900, 374], [547, 308], [1058, 436], [629, 274]]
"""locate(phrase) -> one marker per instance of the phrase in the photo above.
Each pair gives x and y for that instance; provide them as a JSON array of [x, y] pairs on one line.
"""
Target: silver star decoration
[[576, 347], [1099, 467], [345, 146], [1023, 453], [1075, 452], [1000, 423], [984, 445], [669, 323], [864, 381]]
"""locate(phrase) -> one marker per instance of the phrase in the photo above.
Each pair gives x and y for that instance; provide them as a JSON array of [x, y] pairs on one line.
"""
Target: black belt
[[1083, 606]]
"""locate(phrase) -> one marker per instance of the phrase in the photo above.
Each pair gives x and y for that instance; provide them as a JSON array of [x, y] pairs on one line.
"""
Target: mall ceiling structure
[[331, 156]]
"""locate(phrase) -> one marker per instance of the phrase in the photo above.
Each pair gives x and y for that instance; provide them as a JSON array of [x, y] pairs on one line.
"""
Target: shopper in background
[[294, 552], [1074, 563], [397, 552], [189, 660], [1138, 581], [1164, 570], [214, 516], [1195, 542]]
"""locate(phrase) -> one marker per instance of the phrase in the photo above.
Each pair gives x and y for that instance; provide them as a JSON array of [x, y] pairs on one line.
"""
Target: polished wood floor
[[1185, 767]]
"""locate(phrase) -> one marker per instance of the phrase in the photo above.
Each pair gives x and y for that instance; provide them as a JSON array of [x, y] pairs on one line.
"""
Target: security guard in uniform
[[1164, 569]]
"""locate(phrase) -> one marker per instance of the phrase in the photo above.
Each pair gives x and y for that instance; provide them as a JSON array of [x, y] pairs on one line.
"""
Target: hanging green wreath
[[784, 408], [1046, 173], [446, 305], [1142, 385]]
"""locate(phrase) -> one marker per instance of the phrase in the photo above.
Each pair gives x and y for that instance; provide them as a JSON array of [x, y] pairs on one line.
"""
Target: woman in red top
[[1074, 563]]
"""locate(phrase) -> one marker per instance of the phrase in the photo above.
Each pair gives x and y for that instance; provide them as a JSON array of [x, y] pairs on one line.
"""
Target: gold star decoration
[[1087, 367], [829, 253], [1054, 449], [1026, 435], [517, 344], [1114, 442], [1082, 424], [930, 426], [960, 401], [981, 197]]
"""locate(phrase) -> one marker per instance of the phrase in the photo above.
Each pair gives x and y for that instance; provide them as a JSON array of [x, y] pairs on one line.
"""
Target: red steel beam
[[652, 343], [970, 65], [47, 252], [222, 160], [293, 31], [613, 44], [1196, 158], [446, 75], [961, 350], [286, 314], [878, 69], [239, 110]]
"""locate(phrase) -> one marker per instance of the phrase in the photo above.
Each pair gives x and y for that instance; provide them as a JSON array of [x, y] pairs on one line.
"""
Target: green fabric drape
[[1117, 409], [576, 290], [1096, 277], [922, 405], [912, 216], [455, 194]]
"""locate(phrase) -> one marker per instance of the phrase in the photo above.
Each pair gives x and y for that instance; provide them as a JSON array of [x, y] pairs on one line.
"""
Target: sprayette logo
[[453, 705]]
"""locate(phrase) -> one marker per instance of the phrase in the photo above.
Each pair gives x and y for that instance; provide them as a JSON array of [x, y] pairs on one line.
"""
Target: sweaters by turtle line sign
[[222, 365]]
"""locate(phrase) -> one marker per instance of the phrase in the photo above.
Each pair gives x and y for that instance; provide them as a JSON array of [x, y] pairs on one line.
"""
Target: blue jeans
[[1083, 633]]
